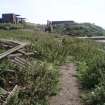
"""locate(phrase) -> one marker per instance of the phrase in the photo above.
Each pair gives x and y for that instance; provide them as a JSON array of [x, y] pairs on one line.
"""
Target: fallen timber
[[24, 53], [11, 46], [12, 50], [11, 41], [17, 54]]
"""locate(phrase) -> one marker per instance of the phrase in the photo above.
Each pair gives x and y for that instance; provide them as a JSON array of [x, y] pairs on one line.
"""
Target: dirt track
[[69, 94]]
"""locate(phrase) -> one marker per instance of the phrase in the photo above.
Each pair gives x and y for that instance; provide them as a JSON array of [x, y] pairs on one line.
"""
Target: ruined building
[[53, 24], [11, 18]]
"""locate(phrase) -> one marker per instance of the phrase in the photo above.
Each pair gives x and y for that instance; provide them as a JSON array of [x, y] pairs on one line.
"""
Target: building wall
[[11, 18], [1, 20], [53, 24], [61, 22]]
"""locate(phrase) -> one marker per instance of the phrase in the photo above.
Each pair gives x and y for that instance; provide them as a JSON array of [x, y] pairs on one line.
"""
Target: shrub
[[96, 96]]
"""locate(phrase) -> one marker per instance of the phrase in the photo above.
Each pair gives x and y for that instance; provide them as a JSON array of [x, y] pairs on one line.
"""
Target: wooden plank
[[25, 53], [20, 60], [13, 41], [2, 55], [18, 63], [15, 55]]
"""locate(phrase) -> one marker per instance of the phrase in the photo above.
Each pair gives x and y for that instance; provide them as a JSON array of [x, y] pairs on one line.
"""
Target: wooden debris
[[17, 63], [13, 42], [12, 50], [20, 60], [15, 55], [25, 53], [11, 94]]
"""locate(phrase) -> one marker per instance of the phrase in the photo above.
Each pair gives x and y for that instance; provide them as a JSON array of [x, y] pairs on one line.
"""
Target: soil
[[69, 93]]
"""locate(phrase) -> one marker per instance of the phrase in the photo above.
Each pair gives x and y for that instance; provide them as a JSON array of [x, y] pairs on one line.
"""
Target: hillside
[[79, 29], [75, 29]]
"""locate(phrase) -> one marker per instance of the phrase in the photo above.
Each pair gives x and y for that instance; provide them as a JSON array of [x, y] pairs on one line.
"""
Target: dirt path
[[69, 94]]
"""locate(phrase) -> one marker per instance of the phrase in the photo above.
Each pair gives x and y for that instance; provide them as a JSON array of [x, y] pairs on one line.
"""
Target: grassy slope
[[56, 50], [80, 29]]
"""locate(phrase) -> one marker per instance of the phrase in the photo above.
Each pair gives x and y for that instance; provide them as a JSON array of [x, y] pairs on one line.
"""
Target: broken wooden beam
[[15, 55], [25, 53], [2, 55], [17, 63]]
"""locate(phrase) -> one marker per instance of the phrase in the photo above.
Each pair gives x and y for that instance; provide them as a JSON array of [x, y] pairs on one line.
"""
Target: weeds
[[38, 82]]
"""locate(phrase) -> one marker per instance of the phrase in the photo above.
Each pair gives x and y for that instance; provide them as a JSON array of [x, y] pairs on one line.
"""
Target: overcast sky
[[38, 11]]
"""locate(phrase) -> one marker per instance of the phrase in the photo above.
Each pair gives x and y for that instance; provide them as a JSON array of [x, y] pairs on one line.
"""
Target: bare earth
[[69, 94]]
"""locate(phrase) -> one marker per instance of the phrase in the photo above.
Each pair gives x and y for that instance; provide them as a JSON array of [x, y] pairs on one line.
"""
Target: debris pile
[[17, 54]]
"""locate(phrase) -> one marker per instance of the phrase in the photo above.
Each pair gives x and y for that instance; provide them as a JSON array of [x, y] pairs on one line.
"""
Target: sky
[[39, 11]]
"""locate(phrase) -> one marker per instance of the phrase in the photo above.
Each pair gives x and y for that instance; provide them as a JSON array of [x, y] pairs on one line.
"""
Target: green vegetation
[[37, 82], [9, 26], [1, 50], [80, 29], [25, 26], [41, 78]]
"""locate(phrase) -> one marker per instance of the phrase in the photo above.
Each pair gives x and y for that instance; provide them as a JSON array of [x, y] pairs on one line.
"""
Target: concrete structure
[[53, 24], [11, 18], [61, 22]]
